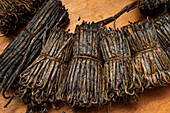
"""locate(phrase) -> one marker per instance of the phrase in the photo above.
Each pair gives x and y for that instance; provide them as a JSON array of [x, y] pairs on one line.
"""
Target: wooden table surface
[[156, 100]]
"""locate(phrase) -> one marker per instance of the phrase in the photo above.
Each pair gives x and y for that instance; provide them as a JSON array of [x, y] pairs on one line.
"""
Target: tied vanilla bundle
[[122, 83], [39, 83], [83, 85], [151, 62]]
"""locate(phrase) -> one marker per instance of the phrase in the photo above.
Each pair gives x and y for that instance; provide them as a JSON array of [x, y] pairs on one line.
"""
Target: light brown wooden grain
[[156, 100]]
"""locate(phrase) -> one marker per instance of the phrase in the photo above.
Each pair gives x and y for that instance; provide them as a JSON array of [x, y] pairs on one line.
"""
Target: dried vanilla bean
[[21, 52], [122, 82], [39, 82], [150, 60], [162, 25], [14, 14]]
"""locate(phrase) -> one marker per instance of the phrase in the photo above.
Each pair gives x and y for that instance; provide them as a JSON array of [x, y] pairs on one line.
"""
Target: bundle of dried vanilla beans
[[39, 82], [162, 25], [122, 83], [21, 52], [14, 14], [83, 85], [151, 62]]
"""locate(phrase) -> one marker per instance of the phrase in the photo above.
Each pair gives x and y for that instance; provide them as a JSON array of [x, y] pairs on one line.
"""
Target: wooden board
[[155, 100]]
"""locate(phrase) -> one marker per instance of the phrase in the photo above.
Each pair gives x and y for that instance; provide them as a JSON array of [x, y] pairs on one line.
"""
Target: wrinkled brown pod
[[14, 14], [150, 60], [21, 52], [39, 82], [153, 7], [121, 80]]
